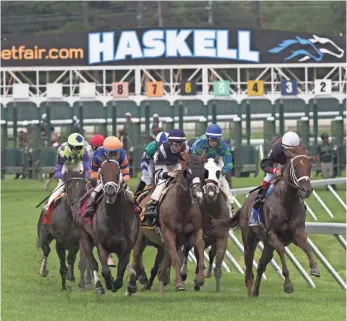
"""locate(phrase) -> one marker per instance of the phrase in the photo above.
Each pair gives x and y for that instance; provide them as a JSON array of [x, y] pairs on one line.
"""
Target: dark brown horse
[[284, 221], [180, 220], [63, 228], [115, 229], [214, 206]]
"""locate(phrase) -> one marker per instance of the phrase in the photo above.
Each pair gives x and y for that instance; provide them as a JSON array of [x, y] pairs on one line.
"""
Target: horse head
[[75, 187], [298, 170], [212, 177], [111, 179], [193, 176]]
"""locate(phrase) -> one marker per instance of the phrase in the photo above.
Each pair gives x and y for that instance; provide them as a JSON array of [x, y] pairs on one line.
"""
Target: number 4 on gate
[[255, 88], [289, 87]]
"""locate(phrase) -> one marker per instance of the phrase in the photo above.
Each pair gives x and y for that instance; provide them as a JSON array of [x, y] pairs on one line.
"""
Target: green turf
[[27, 296]]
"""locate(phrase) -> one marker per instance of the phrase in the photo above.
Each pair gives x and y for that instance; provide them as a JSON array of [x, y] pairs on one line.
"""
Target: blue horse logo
[[317, 55]]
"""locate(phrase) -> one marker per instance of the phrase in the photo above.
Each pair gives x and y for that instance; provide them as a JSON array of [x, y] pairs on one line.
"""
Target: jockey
[[147, 162], [71, 156], [214, 145], [112, 148], [276, 155], [96, 141], [166, 161]]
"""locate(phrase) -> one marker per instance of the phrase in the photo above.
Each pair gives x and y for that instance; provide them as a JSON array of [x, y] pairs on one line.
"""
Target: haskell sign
[[105, 47], [158, 46]]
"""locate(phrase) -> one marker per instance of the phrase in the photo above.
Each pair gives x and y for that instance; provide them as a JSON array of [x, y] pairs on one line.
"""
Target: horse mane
[[73, 174]]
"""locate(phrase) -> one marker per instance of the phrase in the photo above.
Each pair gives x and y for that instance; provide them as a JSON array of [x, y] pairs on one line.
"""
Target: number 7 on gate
[[155, 89]]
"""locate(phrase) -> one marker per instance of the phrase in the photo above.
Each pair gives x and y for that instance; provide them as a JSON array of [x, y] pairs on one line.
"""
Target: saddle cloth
[[46, 218]]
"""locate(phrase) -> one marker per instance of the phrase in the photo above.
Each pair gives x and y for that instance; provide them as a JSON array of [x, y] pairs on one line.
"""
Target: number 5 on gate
[[155, 89]]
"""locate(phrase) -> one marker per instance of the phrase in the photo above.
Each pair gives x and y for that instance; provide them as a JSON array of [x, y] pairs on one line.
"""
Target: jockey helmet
[[290, 139], [161, 137], [97, 140], [112, 144], [76, 140], [324, 135], [176, 135], [155, 116], [213, 131]]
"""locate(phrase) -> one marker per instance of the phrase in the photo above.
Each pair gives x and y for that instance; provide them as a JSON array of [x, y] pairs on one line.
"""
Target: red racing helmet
[[97, 141]]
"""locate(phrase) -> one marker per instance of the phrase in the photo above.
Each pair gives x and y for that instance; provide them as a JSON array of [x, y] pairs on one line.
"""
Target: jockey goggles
[[76, 147], [177, 144], [213, 140]]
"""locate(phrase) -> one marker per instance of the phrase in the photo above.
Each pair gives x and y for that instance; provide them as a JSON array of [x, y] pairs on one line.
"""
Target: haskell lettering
[[209, 43]]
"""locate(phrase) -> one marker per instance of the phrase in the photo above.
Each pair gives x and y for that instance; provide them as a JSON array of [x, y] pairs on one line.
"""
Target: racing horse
[[63, 228], [213, 206], [115, 229], [283, 215], [180, 220]]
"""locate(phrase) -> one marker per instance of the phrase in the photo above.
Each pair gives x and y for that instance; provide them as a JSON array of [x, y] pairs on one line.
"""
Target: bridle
[[67, 197], [294, 180], [114, 185]]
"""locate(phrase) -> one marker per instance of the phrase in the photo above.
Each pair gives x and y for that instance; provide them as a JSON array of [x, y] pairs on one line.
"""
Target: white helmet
[[290, 139]]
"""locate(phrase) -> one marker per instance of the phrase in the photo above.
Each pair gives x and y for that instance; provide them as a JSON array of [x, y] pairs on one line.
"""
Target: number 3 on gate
[[155, 89], [289, 87], [255, 88]]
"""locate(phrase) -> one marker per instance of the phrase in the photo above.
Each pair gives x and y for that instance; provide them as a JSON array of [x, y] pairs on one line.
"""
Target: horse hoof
[[184, 277], [143, 280], [117, 285], [255, 294], [99, 291], [315, 272], [109, 284], [132, 289], [180, 287], [147, 288], [197, 288], [289, 289], [208, 274], [43, 273], [71, 279], [199, 283]]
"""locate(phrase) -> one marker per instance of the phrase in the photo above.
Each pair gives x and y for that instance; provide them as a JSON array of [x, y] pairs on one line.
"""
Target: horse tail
[[38, 230], [232, 222]]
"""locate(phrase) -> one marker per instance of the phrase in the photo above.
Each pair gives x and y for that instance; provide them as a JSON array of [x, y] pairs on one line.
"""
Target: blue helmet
[[161, 137], [213, 131], [177, 135]]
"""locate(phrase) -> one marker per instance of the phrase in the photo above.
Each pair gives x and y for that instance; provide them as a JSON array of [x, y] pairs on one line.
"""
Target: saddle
[[162, 196], [84, 199], [46, 218]]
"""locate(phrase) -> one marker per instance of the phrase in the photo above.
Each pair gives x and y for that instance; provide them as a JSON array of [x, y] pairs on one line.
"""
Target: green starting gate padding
[[303, 130], [246, 160]]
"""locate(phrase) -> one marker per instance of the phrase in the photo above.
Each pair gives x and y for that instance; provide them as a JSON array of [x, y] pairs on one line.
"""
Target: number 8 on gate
[[120, 89]]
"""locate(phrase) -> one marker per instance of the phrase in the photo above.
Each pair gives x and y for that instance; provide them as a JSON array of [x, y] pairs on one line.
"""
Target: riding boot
[[151, 211], [89, 211], [260, 197], [140, 186]]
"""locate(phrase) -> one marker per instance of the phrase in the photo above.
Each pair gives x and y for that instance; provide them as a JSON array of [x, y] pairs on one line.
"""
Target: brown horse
[[284, 221], [115, 229], [214, 206], [180, 220]]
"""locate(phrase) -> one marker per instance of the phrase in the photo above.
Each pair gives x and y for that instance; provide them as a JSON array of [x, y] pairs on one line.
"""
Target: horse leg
[[186, 250], [86, 245], [44, 243], [138, 249], [279, 247], [71, 259], [211, 256], [105, 269], [163, 272], [62, 259], [159, 257], [301, 241], [82, 266], [221, 246], [122, 265], [266, 257], [250, 244], [200, 247]]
